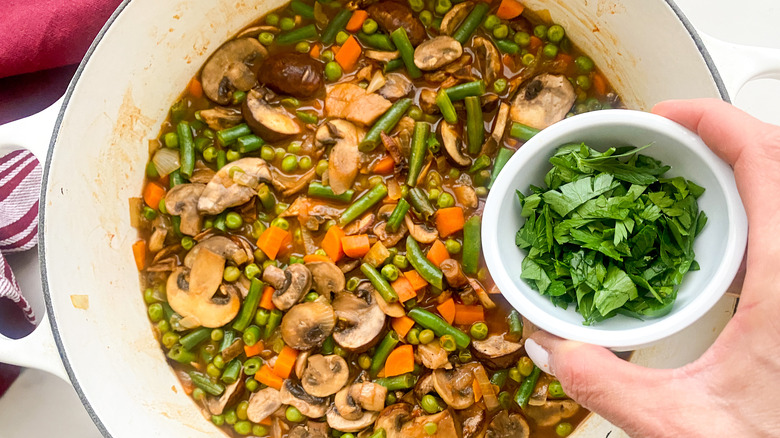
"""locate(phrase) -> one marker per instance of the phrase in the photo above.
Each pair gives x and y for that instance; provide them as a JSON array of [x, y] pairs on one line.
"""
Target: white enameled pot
[[120, 95]]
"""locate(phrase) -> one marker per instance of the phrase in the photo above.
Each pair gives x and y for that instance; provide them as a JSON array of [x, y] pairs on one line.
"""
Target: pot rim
[[58, 124]]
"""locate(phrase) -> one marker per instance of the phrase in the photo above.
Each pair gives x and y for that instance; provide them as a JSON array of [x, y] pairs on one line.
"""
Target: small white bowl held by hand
[[719, 249]]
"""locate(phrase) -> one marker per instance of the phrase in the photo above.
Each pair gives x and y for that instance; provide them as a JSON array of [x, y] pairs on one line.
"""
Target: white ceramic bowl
[[719, 249]]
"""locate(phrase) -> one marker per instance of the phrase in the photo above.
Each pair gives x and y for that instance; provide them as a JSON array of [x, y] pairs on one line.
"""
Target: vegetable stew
[[327, 168]]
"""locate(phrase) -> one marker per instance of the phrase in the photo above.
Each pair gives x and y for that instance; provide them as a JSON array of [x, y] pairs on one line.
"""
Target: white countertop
[[41, 405]]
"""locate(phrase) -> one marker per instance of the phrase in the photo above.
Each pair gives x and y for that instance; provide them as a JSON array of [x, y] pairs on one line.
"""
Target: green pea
[[231, 274], [267, 153], [504, 399], [217, 334], [430, 404], [251, 271], [390, 399], [563, 429], [198, 394], [287, 23], [501, 31], [447, 342], [169, 339], [230, 417], [327, 55], [332, 71], [341, 37], [219, 361], [453, 246], [218, 420], [322, 167], [499, 86], [426, 18], [337, 350], [364, 361], [426, 336], [321, 252], [464, 356], [290, 164], [550, 50], [370, 26], [234, 220], [580, 108], [213, 371], [433, 194], [479, 330], [522, 39], [584, 64], [149, 297], [305, 162], [280, 222], [272, 19], [445, 200], [241, 410], [481, 191], [415, 113], [583, 82], [251, 385], [293, 415], [442, 7], [171, 140], [593, 104], [417, 5], [556, 33], [400, 261], [413, 337], [390, 272], [259, 430], [156, 312], [243, 427], [238, 97], [303, 47], [555, 390], [454, 173], [430, 428], [540, 31], [151, 170], [311, 296], [515, 375], [233, 155], [210, 154], [491, 21], [149, 213]]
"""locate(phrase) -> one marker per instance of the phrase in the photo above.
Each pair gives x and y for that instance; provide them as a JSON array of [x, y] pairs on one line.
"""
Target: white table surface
[[41, 405]]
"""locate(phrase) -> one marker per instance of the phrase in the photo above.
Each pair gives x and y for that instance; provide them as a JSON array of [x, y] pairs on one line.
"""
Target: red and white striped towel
[[20, 186]]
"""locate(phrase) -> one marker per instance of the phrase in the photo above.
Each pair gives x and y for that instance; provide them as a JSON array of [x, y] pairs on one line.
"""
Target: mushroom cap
[[437, 52], [182, 200], [293, 394], [371, 396], [223, 192], [233, 392], [497, 351], [327, 278], [262, 404], [396, 86], [546, 99], [454, 387], [421, 232], [453, 145], [347, 406], [270, 122], [472, 420], [306, 325], [297, 282], [508, 426], [325, 375], [360, 321], [312, 429], [393, 418], [338, 422], [220, 117], [228, 69], [221, 245]]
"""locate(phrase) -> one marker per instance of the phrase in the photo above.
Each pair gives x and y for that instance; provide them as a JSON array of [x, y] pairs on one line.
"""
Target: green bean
[[249, 143], [397, 216], [397, 383], [419, 149], [504, 154], [227, 339], [273, 322], [515, 324], [379, 282], [195, 337], [385, 124], [181, 355], [377, 41], [499, 378], [302, 9], [392, 65], [266, 197], [249, 306], [221, 158], [301, 34], [446, 107], [475, 125], [462, 91], [524, 391], [422, 265], [482, 162], [251, 335], [471, 22], [507, 46], [317, 190], [176, 178], [522, 132], [420, 202], [401, 40], [439, 326], [307, 117], [382, 351], [203, 382], [363, 204], [335, 26], [229, 135], [186, 148], [472, 245], [232, 370]]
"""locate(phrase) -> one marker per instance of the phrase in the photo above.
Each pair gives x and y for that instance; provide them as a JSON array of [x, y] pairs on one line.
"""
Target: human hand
[[733, 390]]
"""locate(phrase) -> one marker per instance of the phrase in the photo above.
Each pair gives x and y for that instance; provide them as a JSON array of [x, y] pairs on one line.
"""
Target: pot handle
[[38, 349], [739, 64]]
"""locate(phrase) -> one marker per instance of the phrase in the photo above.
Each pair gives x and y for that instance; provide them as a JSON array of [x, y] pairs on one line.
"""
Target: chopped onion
[[319, 14], [377, 82], [136, 207], [488, 392], [166, 160]]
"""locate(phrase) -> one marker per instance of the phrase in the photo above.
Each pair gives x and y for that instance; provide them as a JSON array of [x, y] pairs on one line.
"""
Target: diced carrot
[[509, 9], [403, 287], [599, 84], [139, 254], [438, 253], [447, 310], [402, 325], [331, 243], [153, 192], [266, 421], [477, 391], [196, 89], [335, 49], [285, 362], [349, 54], [265, 301], [315, 51], [565, 60], [400, 361], [355, 246], [384, 166], [272, 240], [535, 44], [267, 377], [416, 280], [467, 315], [449, 220], [356, 21], [254, 350], [309, 258], [508, 61]]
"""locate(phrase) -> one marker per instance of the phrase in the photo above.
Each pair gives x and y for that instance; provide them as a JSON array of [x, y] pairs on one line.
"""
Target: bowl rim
[[655, 329]]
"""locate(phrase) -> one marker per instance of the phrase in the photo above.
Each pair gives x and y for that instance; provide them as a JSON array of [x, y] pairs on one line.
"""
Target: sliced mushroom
[[424, 386], [232, 394], [296, 74], [488, 58], [325, 375], [454, 387], [233, 350], [160, 227], [539, 394], [344, 158], [473, 421], [328, 278], [453, 273], [270, 122], [445, 426], [340, 423], [482, 295], [220, 117], [546, 99], [393, 310], [453, 145], [312, 429], [433, 356], [346, 406], [306, 325], [393, 418], [290, 284], [391, 15], [437, 52], [421, 232], [221, 245], [230, 69], [360, 226], [508, 426], [552, 412], [396, 86], [382, 55], [351, 102], [388, 239], [300, 363], [191, 292], [369, 395], [223, 192], [182, 200], [454, 17], [499, 127], [262, 404], [360, 321], [292, 393], [497, 351]]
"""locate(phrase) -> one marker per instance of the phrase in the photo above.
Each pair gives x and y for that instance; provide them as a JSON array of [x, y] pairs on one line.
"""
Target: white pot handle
[[739, 64], [36, 350]]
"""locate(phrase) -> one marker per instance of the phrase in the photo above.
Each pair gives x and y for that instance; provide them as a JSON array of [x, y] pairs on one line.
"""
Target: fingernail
[[539, 355]]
